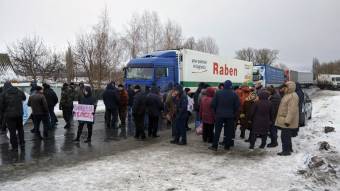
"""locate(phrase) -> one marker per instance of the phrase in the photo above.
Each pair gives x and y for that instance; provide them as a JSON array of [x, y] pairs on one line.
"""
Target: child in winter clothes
[[262, 118], [207, 115], [87, 99]]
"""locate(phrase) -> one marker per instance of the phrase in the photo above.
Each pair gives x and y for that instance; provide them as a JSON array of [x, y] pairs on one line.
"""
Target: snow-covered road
[[194, 167]]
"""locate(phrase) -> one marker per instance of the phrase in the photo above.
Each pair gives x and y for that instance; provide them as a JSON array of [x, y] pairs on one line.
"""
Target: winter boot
[[272, 145]]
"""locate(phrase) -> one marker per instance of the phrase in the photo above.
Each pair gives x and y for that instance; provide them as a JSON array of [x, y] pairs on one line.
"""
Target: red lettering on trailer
[[223, 70]]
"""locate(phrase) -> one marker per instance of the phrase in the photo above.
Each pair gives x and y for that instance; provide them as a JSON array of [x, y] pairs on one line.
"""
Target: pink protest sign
[[83, 112]]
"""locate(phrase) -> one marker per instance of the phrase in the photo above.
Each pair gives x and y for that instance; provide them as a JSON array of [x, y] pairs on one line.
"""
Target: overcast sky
[[299, 29]]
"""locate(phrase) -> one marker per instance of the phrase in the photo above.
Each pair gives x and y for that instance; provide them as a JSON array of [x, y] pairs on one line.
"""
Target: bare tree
[[266, 56], [133, 36], [30, 57], [98, 52], [246, 54], [190, 43], [70, 65], [316, 66], [258, 56], [5, 63], [172, 35], [151, 31], [208, 45]]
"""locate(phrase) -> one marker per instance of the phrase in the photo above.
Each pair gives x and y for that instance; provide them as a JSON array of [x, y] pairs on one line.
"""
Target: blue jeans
[[197, 119], [229, 125]]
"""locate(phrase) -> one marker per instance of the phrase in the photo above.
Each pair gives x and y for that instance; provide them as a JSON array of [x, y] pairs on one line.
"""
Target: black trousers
[[111, 118], [229, 130], [286, 138], [15, 124], [153, 125], [67, 115], [253, 138], [2, 123], [273, 134], [208, 132], [187, 121], [46, 123], [53, 117], [139, 123], [89, 129]]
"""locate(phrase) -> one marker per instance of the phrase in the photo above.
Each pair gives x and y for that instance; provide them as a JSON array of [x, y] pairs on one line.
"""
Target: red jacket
[[206, 112]]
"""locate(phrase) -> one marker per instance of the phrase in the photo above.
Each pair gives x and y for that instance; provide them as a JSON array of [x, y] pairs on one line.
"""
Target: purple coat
[[262, 115]]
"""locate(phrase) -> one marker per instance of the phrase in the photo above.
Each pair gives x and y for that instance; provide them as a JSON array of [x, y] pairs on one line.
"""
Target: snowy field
[[168, 167]]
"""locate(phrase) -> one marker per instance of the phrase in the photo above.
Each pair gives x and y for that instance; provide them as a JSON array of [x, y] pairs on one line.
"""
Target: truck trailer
[[186, 67], [304, 78], [268, 75]]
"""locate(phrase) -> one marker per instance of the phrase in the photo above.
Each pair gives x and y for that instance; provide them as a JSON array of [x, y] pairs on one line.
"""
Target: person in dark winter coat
[[66, 105], [301, 96], [154, 107], [2, 120], [52, 100], [138, 112], [225, 105], [247, 108], [40, 113], [275, 99], [123, 109], [181, 102], [196, 103], [87, 99], [12, 110], [261, 118], [111, 102], [131, 95], [207, 115]]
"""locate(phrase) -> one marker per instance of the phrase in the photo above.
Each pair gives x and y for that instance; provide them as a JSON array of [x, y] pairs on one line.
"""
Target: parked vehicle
[[328, 81], [268, 75], [304, 78], [186, 67], [306, 112]]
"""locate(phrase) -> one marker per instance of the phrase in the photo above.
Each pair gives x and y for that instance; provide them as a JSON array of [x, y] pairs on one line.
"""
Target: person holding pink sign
[[87, 99]]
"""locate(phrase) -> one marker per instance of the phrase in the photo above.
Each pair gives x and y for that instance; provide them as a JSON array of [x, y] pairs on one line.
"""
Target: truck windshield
[[257, 75], [336, 79], [139, 73]]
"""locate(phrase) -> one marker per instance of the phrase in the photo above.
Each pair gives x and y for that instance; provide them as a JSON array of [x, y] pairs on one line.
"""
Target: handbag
[[199, 129]]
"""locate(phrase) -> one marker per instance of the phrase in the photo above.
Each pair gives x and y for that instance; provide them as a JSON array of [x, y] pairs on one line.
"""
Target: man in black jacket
[[275, 99], [131, 94], [2, 120], [154, 107], [111, 102], [225, 104], [181, 102], [39, 107], [12, 110], [138, 112], [52, 100]]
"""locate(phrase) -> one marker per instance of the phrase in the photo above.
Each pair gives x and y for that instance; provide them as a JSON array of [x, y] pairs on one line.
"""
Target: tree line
[[331, 67], [100, 53]]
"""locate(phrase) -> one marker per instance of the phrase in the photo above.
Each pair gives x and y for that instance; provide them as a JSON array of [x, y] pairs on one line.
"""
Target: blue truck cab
[[268, 75], [159, 68]]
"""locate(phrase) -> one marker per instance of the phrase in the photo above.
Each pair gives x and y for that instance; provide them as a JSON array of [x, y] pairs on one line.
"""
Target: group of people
[[260, 110]]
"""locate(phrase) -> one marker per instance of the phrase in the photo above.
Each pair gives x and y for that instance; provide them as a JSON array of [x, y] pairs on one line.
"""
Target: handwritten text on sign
[[83, 112]]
